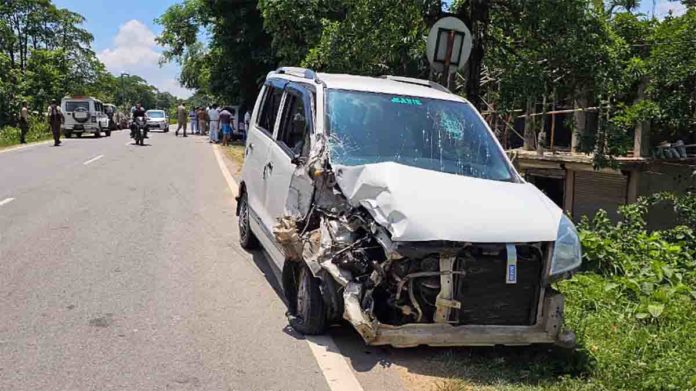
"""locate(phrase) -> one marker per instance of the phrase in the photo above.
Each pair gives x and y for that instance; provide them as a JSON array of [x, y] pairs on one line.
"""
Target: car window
[[269, 111], [155, 114], [98, 107], [294, 126], [72, 106], [433, 134]]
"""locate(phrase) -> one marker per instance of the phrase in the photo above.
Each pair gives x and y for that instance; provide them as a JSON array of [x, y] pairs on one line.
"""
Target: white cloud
[[136, 52], [663, 7]]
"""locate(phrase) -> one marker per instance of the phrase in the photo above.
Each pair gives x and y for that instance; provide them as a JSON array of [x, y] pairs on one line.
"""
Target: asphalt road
[[120, 270]]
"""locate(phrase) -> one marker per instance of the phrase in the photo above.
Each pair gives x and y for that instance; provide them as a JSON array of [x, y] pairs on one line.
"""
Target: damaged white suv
[[388, 202]]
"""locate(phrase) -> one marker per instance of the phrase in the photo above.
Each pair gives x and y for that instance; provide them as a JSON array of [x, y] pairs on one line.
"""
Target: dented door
[[287, 155]]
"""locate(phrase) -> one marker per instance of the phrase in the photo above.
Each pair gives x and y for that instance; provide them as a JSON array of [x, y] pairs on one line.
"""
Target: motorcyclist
[[138, 111]]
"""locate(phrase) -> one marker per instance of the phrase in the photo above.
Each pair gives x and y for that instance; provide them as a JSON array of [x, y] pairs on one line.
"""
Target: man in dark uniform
[[55, 120], [24, 122]]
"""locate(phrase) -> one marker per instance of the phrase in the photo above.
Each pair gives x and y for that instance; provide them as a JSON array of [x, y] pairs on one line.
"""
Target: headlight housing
[[567, 252]]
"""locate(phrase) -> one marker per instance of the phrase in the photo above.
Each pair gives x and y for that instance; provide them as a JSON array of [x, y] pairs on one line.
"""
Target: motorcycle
[[139, 130]]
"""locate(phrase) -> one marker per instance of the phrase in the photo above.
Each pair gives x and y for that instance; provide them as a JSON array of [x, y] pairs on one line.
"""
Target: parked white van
[[84, 114], [388, 202]]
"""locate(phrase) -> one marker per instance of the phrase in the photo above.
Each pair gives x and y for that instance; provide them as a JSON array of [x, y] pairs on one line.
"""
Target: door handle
[[249, 149], [267, 170]]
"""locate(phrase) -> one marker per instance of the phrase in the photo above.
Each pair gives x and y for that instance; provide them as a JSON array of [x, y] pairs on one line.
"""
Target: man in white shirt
[[214, 118]]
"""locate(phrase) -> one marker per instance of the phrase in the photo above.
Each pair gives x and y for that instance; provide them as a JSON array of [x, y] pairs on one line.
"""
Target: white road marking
[[20, 147], [231, 183], [92, 160], [333, 365], [6, 201]]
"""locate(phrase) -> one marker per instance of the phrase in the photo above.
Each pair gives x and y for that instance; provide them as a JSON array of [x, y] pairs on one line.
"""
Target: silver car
[[157, 119]]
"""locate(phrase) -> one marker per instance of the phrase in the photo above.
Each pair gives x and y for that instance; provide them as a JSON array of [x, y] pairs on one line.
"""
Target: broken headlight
[[567, 254]]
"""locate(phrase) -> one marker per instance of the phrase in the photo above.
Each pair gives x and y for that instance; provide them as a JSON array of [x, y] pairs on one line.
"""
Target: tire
[[306, 307], [97, 134], [68, 134], [108, 133], [79, 135], [246, 238]]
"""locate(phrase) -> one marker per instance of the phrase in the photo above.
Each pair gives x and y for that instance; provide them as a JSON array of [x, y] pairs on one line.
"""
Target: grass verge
[[38, 131], [236, 153], [632, 309]]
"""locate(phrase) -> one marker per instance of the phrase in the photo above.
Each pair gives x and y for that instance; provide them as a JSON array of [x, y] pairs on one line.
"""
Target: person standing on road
[[226, 125], [194, 120], [202, 120], [214, 117], [55, 121], [23, 122], [181, 117]]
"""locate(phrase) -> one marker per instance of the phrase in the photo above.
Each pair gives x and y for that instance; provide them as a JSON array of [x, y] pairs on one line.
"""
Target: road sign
[[449, 45]]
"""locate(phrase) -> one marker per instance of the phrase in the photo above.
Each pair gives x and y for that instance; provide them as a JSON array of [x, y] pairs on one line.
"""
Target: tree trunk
[[580, 119], [529, 133], [476, 17]]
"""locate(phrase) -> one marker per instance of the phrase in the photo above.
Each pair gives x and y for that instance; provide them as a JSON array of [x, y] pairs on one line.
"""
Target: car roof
[[378, 85]]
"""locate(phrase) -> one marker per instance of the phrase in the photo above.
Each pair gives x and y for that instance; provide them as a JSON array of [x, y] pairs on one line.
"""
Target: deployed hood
[[416, 205]]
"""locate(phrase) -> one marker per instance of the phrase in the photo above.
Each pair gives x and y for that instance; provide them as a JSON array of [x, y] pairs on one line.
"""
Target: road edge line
[[25, 146], [338, 375]]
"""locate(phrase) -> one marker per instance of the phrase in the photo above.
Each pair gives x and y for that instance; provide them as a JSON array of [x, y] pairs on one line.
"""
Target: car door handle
[[249, 149], [267, 170]]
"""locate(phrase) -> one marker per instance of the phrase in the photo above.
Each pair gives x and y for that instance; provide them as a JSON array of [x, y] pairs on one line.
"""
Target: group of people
[[216, 122], [55, 120]]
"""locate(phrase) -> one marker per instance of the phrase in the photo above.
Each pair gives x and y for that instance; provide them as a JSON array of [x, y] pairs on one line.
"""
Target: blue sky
[[124, 32]]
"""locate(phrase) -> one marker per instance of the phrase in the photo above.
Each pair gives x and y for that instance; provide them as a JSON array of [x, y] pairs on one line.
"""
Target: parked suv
[[84, 115], [389, 202], [157, 119]]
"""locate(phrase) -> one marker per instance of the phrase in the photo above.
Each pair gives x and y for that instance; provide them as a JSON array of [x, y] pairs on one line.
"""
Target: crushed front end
[[409, 293]]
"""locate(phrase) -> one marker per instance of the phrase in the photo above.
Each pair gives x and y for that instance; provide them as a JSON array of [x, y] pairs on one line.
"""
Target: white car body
[[84, 115], [157, 119], [412, 208]]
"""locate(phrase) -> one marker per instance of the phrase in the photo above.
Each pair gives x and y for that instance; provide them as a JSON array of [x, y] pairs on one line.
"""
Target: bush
[[38, 131], [633, 305]]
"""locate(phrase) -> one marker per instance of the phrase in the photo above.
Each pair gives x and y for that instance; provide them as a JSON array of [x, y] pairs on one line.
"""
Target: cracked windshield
[[433, 134]]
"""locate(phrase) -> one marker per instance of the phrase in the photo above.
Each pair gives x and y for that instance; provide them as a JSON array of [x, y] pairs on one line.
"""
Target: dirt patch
[[234, 158]]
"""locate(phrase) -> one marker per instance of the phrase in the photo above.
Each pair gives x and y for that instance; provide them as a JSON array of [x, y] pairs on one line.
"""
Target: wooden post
[[553, 122], [641, 139]]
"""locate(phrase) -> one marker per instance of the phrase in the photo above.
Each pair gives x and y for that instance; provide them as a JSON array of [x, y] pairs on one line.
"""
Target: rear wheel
[[306, 308], [68, 134], [108, 133], [246, 238], [79, 135]]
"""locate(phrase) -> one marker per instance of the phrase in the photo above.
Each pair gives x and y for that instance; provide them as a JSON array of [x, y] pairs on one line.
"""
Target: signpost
[[448, 46]]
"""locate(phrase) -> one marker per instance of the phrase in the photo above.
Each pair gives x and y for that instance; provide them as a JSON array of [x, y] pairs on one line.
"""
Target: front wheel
[[306, 308], [246, 238]]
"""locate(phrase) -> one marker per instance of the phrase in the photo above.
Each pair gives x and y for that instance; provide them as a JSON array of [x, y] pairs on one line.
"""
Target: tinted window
[[72, 106], [269, 111], [294, 127], [433, 134]]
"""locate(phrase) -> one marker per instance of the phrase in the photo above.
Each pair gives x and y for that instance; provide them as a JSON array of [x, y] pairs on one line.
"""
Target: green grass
[[633, 310], [236, 153], [38, 131]]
